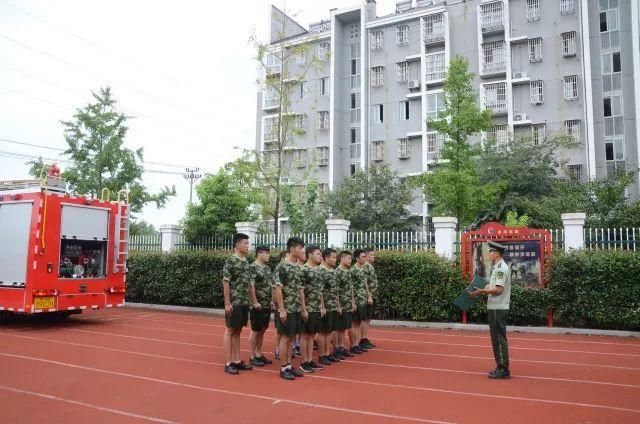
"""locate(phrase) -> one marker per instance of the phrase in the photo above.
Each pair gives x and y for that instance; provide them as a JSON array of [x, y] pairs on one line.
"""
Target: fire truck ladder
[[121, 245]]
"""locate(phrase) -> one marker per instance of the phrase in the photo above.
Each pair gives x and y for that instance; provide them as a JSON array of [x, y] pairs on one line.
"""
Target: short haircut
[[263, 248], [282, 255], [345, 253], [312, 248], [328, 252], [357, 253], [368, 249], [239, 237], [294, 242]]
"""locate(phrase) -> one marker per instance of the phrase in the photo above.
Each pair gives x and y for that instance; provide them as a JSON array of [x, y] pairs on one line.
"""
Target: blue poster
[[522, 257]]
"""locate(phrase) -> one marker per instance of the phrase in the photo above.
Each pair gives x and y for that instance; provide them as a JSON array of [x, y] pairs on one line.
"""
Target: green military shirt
[[330, 290], [288, 276], [500, 276], [359, 280], [345, 287], [313, 283], [372, 279], [262, 282], [238, 273]]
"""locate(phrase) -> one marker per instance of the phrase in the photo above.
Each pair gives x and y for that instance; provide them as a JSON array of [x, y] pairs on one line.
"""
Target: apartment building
[[543, 67]]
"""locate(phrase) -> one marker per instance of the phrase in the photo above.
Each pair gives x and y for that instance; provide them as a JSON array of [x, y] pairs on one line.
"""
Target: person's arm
[[226, 290], [323, 309], [498, 287], [280, 303], [253, 298], [336, 293], [303, 310]]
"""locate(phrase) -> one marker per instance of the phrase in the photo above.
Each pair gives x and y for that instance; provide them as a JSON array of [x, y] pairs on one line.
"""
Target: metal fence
[[391, 240], [612, 238], [279, 241], [205, 243], [146, 243]]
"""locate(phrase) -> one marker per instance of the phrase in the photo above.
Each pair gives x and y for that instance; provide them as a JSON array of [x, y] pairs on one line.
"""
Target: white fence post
[[573, 230], [169, 237], [250, 229], [445, 228], [337, 230]]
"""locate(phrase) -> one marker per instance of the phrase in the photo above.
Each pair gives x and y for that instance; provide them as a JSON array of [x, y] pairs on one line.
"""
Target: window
[[616, 65], [273, 64], [536, 92], [500, 134], [494, 56], [571, 87], [271, 97], [435, 141], [402, 71], [377, 40], [535, 49], [575, 172], [538, 133], [301, 58], [566, 7], [377, 151], [495, 96], [611, 72], [402, 35], [323, 50], [322, 156], [354, 109], [300, 123], [435, 66], [491, 16], [300, 158], [354, 135], [572, 129], [404, 110], [324, 86], [303, 89], [612, 106], [323, 120], [270, 129], [569, 43], [353, 168], [89, 257], [533, 10], [614, 149], [434, 28], [377, 76], [378, 114], [404, 148], [435, 105]]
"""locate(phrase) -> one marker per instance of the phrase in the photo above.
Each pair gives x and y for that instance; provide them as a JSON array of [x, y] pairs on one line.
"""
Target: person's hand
[[323, 312], [477, 292], [283, 317], [305, 315], [273, 306], [370, 300], [339, 310], [353, 307], [257, 306], [228, 309]]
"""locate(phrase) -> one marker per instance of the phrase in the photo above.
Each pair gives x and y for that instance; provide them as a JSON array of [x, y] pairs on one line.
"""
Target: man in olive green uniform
[[499, 296], [290, 301], [347, 301], [331, 301], [313, 284], [261, 305], [236, 279], [362, 298], [372, 282]]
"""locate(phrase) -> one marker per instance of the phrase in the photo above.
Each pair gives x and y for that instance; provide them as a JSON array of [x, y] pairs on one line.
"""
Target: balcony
[[494, 58], [491, 17], [494, 97], [434, 29], [436, 67], [435, 141], [320, 27]]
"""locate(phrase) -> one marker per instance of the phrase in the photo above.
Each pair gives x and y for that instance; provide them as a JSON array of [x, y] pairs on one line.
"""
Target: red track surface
[[134, 366]]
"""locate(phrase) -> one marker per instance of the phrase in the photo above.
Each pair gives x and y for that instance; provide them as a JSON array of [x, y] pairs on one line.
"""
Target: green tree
[[95, 138], [224, 199], [142, 228], [282, 76], [305, 208], [373, 200], [454, 185]]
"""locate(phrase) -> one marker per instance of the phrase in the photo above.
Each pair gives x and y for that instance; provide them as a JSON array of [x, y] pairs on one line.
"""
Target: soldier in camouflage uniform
[[362, 298], [290, 300], [236, 279], [347, 302], [499, 297], [261, 305], [313, 284], [372, 282], [331, 300]]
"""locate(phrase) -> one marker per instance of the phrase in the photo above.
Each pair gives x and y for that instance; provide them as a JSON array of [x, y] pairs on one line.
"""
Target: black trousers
[[498, 329]]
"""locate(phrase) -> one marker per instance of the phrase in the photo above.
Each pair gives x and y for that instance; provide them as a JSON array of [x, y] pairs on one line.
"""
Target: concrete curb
[[415, 324]]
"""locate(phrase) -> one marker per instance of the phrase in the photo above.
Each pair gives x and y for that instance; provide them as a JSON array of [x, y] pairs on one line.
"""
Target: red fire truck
[[60, 252]]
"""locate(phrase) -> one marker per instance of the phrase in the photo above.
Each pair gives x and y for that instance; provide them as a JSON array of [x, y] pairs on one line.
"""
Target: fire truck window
[[83, 259]]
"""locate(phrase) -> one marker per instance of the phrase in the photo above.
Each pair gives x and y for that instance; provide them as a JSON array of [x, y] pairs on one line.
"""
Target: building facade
[[543, 67]]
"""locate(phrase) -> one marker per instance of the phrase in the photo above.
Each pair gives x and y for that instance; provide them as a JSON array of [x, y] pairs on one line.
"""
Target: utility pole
[[191, 175]]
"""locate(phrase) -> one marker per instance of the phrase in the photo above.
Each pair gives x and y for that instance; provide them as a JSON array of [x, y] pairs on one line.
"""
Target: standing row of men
[[309, 299]]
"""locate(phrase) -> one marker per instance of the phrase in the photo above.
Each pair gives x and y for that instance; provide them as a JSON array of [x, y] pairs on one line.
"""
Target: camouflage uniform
[[359, 279], [262, 282], [345, 291], [238, 273], [313, 283], [331, 296], [372, 280], [288, 277]]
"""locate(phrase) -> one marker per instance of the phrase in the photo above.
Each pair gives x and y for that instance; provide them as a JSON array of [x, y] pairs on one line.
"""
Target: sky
[[185, 69]]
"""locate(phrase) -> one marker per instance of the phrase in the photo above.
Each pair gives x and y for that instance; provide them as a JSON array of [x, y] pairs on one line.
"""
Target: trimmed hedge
[[598, 289]]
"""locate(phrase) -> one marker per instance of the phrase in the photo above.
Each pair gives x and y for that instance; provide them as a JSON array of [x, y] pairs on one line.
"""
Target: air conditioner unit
[[414, 85], [521, 75], [520, 117]]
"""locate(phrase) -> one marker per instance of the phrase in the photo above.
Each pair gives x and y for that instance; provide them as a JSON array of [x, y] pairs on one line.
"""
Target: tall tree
[[305, 207], [454, 185], [223, 199], [95, 138], [281, 78], [373, 200], [142, 228]]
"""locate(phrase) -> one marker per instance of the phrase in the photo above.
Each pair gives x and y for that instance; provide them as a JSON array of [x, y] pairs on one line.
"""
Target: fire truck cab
[[60, 252]]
